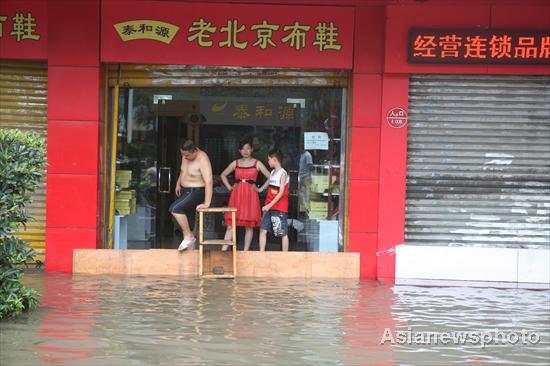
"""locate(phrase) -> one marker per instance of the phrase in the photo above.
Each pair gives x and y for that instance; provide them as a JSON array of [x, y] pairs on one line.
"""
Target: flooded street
[[116, 320]]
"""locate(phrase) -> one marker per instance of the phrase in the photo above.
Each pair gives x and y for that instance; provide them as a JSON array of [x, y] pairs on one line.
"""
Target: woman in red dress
[[244, 193]]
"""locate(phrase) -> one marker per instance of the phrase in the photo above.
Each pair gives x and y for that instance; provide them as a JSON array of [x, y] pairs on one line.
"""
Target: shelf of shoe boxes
[[125, 199], [323, 227]]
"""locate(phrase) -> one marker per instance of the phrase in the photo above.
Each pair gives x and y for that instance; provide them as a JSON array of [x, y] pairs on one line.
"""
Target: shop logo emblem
[[397, 117], [218, 107], [146, 29]]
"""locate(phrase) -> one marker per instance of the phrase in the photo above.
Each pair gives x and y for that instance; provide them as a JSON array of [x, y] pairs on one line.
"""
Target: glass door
[[172, 130], [136, 177], [151, 129]]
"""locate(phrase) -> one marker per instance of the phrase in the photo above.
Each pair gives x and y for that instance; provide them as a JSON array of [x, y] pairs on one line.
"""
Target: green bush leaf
[[22, 163]]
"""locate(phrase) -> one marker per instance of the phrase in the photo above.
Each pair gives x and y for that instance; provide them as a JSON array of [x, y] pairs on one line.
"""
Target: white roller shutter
[[478, 166]]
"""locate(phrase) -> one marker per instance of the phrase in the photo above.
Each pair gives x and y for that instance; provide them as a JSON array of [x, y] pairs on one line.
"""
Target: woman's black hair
[[243, 142], [276, 153]]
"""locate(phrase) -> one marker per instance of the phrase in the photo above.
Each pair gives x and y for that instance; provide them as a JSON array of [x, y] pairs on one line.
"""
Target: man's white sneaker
[[183, 245], [186, 244]]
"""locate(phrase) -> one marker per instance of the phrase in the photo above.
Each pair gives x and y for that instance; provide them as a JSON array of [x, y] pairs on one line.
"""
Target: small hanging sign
[[397, 117]]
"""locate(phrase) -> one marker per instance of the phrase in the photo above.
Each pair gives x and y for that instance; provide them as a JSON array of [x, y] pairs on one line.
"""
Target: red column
[[366, 93], [73, 115], [393, 167]]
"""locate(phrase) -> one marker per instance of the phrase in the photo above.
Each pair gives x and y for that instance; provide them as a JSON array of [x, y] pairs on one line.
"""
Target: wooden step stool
[[232, 242]]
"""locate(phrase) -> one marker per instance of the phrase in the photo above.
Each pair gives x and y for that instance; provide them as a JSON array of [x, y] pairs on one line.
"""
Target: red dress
[[244, 198]]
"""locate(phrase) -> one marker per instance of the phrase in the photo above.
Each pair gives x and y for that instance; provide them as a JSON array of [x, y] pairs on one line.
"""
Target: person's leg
[[265, 225], [284, 242], [179, 209], [263, 239], [184, 224], [183, 210], [228, 235], [248, 234], [282, 229], [307, 183]]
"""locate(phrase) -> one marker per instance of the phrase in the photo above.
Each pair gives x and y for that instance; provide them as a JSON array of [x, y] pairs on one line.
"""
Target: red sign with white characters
[[397, 117], [224, 34]]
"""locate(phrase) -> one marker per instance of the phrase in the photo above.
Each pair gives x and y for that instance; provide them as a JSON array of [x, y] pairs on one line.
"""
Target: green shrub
[[22, 163]]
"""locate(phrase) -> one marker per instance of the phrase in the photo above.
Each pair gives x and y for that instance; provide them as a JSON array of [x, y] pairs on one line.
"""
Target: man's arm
[[309, 163], [206, 172], [179, 182]]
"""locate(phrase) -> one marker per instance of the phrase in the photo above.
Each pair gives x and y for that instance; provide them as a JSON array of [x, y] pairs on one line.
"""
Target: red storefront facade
[[74, 41]]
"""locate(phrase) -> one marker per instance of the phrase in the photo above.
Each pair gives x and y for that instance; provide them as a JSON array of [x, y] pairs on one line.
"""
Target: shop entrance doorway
[[306, 124], [177, 121]]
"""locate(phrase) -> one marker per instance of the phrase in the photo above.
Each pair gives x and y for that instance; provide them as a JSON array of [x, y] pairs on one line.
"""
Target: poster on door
[[315, 141]]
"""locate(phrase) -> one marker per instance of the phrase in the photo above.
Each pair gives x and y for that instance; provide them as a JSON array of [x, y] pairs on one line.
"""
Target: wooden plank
[[250, 264], [218, 242], [218, 209], [218, 276], [200, 242], [234, 240]]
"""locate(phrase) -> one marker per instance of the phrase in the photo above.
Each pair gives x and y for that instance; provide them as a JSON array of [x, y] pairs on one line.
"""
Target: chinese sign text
[[23, 27], [479, 46]]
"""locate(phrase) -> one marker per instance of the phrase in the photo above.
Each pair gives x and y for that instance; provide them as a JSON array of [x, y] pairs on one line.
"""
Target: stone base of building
[[472, 266]]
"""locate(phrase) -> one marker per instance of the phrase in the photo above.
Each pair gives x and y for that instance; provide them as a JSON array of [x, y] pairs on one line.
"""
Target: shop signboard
[[23, 30], [227, 112], [479, 46], [168, 32]]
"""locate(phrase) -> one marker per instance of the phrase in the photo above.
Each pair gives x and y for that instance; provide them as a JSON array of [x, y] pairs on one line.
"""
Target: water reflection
[[68, 321], [365, 322], [116, 320]]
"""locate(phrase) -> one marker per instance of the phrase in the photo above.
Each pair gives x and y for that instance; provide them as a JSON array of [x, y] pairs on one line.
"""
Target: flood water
[[117, 320]]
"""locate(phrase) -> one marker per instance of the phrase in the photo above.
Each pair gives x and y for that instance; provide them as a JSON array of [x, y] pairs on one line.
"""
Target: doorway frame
[[141, 75]]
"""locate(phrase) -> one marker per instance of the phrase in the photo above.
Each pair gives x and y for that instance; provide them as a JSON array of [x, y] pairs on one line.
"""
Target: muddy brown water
[[164, 320]]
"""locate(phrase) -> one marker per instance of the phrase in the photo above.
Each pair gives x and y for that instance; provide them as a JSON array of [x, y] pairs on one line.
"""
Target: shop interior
[[306, 123]]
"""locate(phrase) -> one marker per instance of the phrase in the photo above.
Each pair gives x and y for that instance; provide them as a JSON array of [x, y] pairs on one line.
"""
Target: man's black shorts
[[187, 203]]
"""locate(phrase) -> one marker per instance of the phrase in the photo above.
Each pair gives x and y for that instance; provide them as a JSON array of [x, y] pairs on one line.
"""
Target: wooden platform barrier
[[250, 264]]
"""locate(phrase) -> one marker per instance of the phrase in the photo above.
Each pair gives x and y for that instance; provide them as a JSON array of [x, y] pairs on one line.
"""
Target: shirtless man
[[193, 189]]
